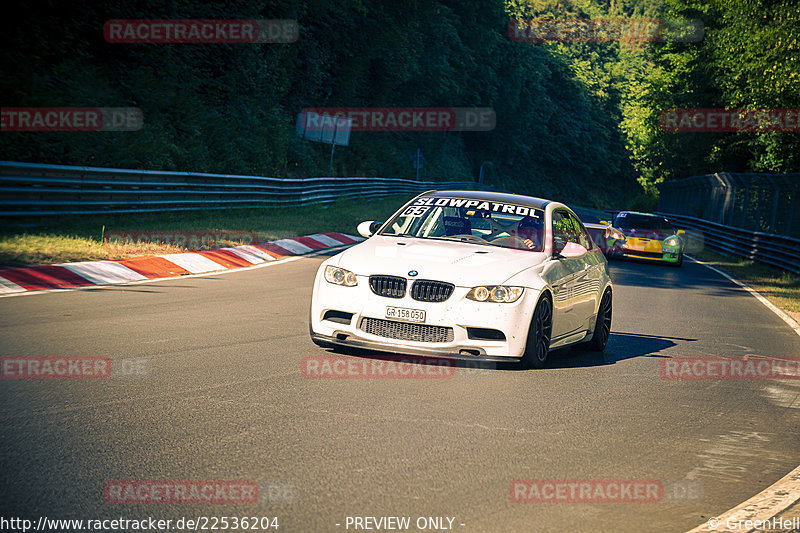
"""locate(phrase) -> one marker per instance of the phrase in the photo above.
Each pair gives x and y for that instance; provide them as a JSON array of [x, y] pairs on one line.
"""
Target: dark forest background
[[577, 122]]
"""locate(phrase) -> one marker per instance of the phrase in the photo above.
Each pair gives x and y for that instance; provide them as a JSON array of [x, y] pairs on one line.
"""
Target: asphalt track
[[224, 399]]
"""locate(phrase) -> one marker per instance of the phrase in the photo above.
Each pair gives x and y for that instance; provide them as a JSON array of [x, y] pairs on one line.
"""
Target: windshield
[[470, 220], [643, 222]]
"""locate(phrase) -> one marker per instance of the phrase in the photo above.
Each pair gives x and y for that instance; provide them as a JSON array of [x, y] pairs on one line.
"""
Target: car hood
[[647, 233], [463, 264]]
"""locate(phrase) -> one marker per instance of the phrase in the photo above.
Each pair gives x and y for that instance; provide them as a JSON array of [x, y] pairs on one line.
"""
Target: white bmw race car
[[478, 275]]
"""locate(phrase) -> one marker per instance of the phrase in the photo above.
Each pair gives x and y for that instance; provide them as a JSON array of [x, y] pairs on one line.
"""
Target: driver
[[529, 231]]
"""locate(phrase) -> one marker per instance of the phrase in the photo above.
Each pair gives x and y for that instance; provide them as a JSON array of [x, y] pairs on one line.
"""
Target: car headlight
[[340, 276], [495, 293], [673, 241], [616, 234]]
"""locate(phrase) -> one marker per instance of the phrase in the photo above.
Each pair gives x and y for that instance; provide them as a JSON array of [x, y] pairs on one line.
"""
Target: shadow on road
[[621, 346]]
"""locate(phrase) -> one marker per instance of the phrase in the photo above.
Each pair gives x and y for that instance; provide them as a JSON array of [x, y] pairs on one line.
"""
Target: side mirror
[[368, 228], [680, 232], [571, 250]]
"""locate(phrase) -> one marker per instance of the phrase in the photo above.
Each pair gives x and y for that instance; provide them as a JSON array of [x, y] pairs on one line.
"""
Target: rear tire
[[602, 326], [538, 345]]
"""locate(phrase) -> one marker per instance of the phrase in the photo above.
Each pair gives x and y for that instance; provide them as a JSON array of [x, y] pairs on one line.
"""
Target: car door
[[587, 278], [562, 273]]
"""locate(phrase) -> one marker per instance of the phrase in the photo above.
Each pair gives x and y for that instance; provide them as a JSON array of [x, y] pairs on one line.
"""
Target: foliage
[[749, 58], [231, 108], [575, 121]]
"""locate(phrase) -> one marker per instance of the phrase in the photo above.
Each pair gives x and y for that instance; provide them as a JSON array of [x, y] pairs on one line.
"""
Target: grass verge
[[47, 240]]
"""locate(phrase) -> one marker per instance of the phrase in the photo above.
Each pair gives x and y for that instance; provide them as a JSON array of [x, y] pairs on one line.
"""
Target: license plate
[[645, 245], [409, 315]]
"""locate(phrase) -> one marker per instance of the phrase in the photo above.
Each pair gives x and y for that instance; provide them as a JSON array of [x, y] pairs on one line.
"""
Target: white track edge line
[[784, 493], [794, 475]]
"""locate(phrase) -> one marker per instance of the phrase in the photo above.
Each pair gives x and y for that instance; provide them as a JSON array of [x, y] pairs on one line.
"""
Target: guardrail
[[28, 189], [776, 250]]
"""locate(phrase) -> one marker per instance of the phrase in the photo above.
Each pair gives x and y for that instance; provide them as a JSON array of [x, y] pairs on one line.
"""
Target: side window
[[563, 230], [583, 236]]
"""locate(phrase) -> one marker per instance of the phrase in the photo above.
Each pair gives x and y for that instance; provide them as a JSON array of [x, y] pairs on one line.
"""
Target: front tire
[[538, 345], [602, 326]]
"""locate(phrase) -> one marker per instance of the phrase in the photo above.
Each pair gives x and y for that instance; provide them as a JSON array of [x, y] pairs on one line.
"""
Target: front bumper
[[660, 252], [662, 257], [365, 344], [458, 315]]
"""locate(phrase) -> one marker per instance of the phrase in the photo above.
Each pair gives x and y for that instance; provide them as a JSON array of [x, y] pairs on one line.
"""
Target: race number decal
[[415, 211]]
